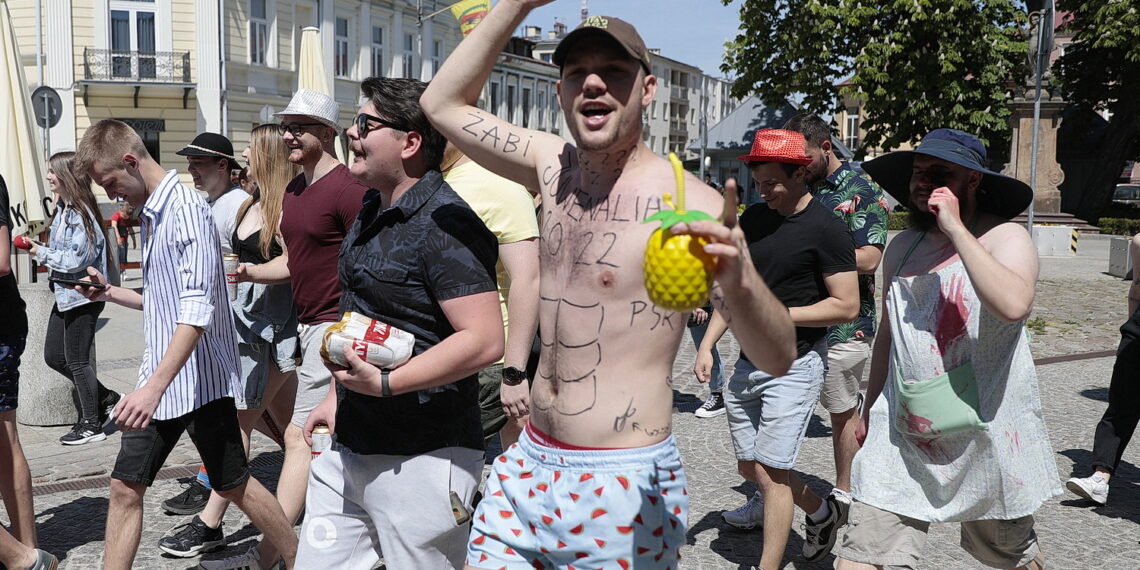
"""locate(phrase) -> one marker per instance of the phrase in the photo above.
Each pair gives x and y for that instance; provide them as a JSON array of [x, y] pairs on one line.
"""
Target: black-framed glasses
[[296, 129], [362, 124]]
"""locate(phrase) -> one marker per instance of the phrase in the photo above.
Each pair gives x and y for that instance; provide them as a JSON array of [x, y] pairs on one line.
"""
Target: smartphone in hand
[[76, 282]]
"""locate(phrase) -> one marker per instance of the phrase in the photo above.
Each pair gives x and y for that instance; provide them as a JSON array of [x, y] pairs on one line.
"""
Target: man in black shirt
[[807, 258], [408, 449]]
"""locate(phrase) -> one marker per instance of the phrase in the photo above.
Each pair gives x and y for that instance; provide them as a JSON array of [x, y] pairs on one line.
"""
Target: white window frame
[[162, 21], [377, 53], [851, 126], [540, 107], [494, 97], [410, 56], [436, 56], [527, 103], [342, 55], [512, 98], [256, 25]]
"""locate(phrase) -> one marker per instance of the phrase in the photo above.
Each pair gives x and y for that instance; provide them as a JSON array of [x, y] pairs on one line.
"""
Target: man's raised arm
[[450, 99]]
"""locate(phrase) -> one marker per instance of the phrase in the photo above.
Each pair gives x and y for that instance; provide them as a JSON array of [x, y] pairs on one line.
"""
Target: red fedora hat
[[778, 145]]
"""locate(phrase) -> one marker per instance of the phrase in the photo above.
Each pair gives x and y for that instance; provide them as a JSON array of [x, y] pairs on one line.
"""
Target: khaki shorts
[[313, 377], [844, 379], [882, 538]]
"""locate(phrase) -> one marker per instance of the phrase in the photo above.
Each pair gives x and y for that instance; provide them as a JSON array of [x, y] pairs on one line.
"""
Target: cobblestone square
[[1077, 313]]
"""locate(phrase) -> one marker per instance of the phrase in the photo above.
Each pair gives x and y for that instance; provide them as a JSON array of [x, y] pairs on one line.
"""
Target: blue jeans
[[768, 415], [716, 383]]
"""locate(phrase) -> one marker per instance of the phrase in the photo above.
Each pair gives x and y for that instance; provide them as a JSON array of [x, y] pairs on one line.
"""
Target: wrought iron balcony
[[136, 66]]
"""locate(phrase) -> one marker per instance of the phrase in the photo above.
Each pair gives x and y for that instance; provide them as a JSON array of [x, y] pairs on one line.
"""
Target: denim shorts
[[11, 347], [255, 360], [768, 415]]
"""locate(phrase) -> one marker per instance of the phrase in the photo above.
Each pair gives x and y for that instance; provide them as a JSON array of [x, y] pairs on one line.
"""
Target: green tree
[[1100, 70], [915, 64]]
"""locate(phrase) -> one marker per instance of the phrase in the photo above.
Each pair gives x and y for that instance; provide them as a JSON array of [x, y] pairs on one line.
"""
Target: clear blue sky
[[689, 31]]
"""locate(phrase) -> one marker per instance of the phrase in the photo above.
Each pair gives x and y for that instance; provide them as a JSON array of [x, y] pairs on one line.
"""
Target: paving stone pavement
[[1079, 308]]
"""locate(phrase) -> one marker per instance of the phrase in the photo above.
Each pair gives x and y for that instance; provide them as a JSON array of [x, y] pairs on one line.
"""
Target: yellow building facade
[[175, 68]]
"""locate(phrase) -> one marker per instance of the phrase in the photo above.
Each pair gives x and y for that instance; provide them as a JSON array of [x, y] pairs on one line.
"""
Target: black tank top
[[248, 250]]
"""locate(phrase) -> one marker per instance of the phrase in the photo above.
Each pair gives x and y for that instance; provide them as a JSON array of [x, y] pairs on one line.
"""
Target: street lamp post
[[1039, 57]]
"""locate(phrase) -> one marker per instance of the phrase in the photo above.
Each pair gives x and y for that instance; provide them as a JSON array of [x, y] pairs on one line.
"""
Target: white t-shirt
[[225, 210]]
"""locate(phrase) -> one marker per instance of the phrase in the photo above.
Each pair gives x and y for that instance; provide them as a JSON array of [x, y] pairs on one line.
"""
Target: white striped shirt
[[183, 283]]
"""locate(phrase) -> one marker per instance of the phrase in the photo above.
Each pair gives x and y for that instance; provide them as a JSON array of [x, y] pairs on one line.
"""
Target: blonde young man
[[190, 368], [601, 405]]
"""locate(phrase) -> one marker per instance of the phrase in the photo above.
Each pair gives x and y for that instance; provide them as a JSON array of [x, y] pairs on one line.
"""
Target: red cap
[[778, 145]]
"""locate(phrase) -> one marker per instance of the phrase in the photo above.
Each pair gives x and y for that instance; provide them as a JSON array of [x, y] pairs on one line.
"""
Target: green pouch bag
[[945, 404]]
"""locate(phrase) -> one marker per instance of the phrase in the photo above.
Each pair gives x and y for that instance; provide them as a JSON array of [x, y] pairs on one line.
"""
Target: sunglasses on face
[[296, 129], [363, 126]]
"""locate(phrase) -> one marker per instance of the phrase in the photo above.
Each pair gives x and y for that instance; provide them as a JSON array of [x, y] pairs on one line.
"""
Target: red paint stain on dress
[[953, 315]]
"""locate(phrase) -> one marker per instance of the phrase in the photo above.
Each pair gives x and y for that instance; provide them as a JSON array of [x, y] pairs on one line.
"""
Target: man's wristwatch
[[513, 376]]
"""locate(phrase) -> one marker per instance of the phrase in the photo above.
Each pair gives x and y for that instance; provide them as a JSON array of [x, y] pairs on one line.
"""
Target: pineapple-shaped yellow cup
[[678, 272]]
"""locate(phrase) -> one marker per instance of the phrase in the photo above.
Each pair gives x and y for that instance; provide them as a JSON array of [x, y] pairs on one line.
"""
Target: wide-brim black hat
[[213, 145], [998, 194]]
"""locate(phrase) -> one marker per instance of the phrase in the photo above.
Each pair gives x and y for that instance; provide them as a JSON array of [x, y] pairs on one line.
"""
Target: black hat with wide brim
[[212, 145], [998, 194]]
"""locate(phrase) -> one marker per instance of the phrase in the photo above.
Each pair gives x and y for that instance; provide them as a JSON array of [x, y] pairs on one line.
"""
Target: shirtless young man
[[598, 452]]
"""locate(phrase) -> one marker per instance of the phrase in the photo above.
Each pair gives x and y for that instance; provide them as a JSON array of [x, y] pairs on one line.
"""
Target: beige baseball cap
[[619, 30]]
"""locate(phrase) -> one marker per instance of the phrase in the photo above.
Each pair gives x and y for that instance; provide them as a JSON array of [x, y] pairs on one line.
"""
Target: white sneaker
[[749, 515], [1093, 488], [248, 560]]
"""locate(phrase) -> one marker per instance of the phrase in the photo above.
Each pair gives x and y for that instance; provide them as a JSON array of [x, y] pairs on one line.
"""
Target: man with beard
[[859, 203], [957, 434], [602, 402]]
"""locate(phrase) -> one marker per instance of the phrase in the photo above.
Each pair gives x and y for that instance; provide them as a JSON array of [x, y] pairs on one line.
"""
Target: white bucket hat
[[315, 105]]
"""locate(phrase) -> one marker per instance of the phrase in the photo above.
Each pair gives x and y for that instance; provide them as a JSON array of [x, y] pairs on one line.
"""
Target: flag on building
[[470, 13]]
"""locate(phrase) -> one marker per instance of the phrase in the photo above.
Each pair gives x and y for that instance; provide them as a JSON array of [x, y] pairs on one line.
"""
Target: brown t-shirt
[[314, 221]]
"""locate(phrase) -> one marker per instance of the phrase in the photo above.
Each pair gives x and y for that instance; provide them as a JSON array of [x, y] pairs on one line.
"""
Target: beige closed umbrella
[[311, 67], [311, 74], [22, 162]]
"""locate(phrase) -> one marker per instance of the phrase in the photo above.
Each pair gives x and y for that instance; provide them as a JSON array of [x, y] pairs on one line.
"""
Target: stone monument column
[[1046, 196]]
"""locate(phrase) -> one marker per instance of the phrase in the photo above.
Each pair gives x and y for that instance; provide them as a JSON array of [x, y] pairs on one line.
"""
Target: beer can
[[322, 439], [230, 265], [376, 343]]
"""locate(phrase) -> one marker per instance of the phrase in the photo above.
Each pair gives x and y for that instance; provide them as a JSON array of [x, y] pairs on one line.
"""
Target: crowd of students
[[430, 229]]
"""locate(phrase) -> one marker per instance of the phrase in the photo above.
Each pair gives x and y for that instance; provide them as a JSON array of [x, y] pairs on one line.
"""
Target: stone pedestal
[[46, 397], [1047, 197]]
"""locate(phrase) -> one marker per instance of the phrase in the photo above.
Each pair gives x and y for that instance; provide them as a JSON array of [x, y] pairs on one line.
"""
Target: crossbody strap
[[909, 251]]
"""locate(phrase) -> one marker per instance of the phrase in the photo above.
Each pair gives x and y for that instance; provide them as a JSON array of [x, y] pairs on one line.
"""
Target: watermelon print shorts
[[547, 507]]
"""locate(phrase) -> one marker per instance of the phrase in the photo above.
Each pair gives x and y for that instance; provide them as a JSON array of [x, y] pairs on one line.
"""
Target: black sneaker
[[82, 433], [109, 404], [713, 407], [819, 538], [188, 502], [194, 539]]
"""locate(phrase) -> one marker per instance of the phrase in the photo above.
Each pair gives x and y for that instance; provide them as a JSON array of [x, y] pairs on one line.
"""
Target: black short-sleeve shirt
[[396, 265], [13, 318], [793, 253]]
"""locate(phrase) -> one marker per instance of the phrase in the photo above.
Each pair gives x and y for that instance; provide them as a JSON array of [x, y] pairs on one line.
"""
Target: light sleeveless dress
[[1003, 472]]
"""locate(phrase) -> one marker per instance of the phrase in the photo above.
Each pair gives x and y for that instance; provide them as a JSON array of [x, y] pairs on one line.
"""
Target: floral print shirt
[[860, 203]]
